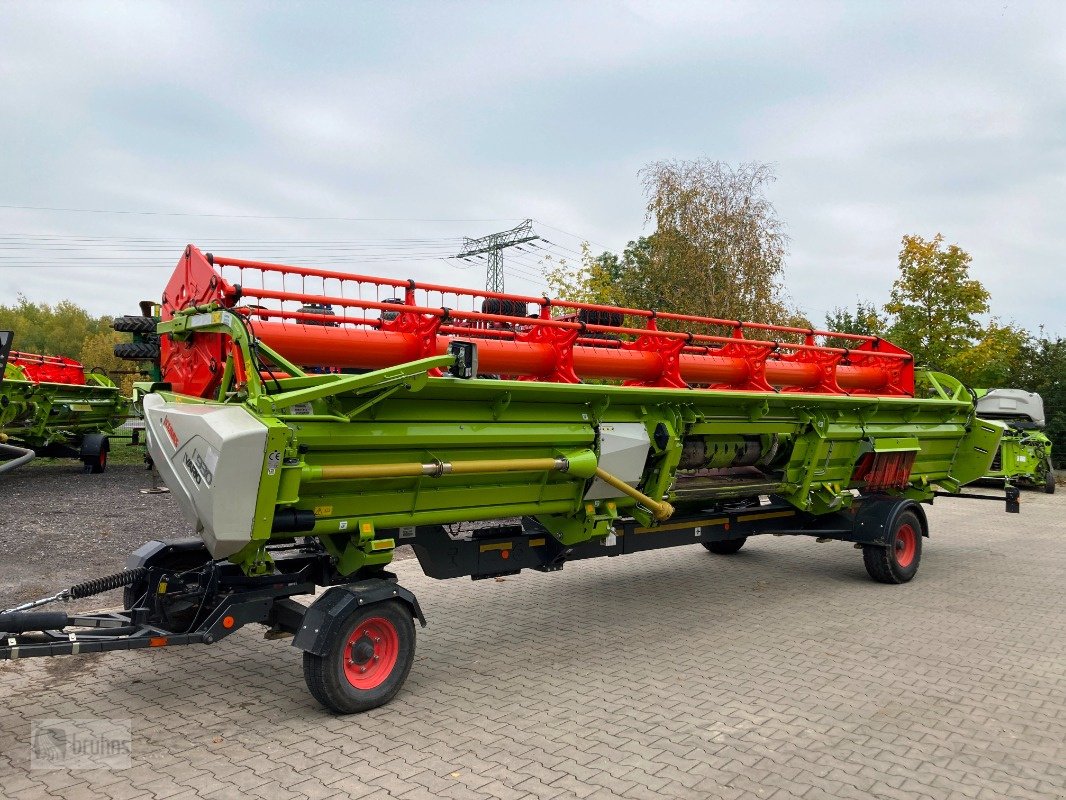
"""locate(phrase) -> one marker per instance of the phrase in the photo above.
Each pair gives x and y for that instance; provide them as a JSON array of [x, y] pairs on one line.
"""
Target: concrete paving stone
[[502, 791], [785, 672]]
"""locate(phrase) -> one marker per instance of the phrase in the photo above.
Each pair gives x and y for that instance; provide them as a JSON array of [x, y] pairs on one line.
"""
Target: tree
[[594, 281], [865, 320], [993, 361], [1042, 369], [57, 330], [98, 353], [718, 248], [934, 302]]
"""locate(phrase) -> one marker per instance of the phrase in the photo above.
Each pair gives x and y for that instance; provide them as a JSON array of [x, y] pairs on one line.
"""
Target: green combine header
[[1024, 453], [53, 406], [309, 422]]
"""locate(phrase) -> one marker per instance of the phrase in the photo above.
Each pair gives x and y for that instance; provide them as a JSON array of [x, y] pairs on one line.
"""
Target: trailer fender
[[178, 554], [876, 519], [326, 613]]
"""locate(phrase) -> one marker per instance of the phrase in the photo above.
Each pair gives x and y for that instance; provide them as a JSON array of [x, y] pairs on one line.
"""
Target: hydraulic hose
[[18, 456]]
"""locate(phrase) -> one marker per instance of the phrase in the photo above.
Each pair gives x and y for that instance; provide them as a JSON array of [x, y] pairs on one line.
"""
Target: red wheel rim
[[370, 653], [906, 545], [103, 458]]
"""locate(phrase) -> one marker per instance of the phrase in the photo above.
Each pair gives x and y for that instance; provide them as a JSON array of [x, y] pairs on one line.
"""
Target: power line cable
[[251, 216]]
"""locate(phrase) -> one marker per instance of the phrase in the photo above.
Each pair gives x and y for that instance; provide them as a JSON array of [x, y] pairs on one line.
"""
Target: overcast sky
[[435, 121]]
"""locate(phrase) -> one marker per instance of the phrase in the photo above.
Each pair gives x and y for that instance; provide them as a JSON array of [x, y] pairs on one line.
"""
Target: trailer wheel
[[94, 450], [368, 660], [94, 465], [726, 547], [1049, 478], [898, 562]]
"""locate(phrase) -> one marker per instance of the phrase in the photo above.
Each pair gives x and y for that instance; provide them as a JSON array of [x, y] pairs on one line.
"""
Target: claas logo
[[170, 432]]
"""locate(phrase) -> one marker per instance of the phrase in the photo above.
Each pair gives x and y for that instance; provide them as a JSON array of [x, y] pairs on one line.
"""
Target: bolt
[[377, 658], [362, 669], [377, 639]]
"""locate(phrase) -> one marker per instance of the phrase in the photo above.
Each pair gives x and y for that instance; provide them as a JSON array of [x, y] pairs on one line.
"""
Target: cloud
[[880, 120]]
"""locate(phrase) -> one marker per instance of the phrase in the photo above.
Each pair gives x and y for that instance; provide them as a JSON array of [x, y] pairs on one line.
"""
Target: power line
[[249, 216], [572, 235]]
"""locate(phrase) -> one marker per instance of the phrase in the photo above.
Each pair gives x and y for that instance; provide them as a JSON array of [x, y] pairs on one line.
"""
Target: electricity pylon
[[492, 247]]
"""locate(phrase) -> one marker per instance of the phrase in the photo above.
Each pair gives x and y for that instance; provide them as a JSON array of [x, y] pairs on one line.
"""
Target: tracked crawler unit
[[305, 446]]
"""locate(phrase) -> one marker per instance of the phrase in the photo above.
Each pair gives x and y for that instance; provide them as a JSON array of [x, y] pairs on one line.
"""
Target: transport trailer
[[298, 475], [54, 406]]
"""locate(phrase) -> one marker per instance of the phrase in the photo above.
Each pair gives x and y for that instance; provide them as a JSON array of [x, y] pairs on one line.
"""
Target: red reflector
[[227, 622], [505, 554], [158, 641]]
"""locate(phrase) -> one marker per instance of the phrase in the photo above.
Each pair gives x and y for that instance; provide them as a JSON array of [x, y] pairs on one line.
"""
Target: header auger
[[308, 422]]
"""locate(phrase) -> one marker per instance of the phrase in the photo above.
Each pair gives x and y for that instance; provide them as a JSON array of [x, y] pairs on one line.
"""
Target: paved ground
[[780, 672]]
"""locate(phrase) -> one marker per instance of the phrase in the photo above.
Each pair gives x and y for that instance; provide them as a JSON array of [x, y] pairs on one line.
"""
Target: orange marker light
[[227, 622]]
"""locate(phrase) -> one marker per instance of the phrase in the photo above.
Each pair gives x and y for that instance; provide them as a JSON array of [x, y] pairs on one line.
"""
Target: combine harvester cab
[[52, 406], [1024, 453], [304, 451]]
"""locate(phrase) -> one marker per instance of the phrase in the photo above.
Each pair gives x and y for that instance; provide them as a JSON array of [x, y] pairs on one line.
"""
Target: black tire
[[320, 309], [505, 308], [376, 630], [591, 317], [132, 324], [93, 452], [898, 562], [1049, 479], [94, 465], [134, 593], [726, 547], [138, 351]]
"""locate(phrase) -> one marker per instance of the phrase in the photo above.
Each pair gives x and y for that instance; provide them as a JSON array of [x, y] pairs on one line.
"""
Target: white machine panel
[[624, 448], [1012, 404], [211, 457]]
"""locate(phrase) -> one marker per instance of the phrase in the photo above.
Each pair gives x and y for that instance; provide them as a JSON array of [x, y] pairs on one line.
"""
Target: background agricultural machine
[[1024, 454], [143, 344], [310, 421], [53, 406]]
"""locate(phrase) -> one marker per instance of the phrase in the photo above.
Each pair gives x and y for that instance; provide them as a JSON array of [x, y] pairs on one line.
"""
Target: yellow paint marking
[[770, 515], [497, 546], [536, 543], [677, 526], [383, 544]]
